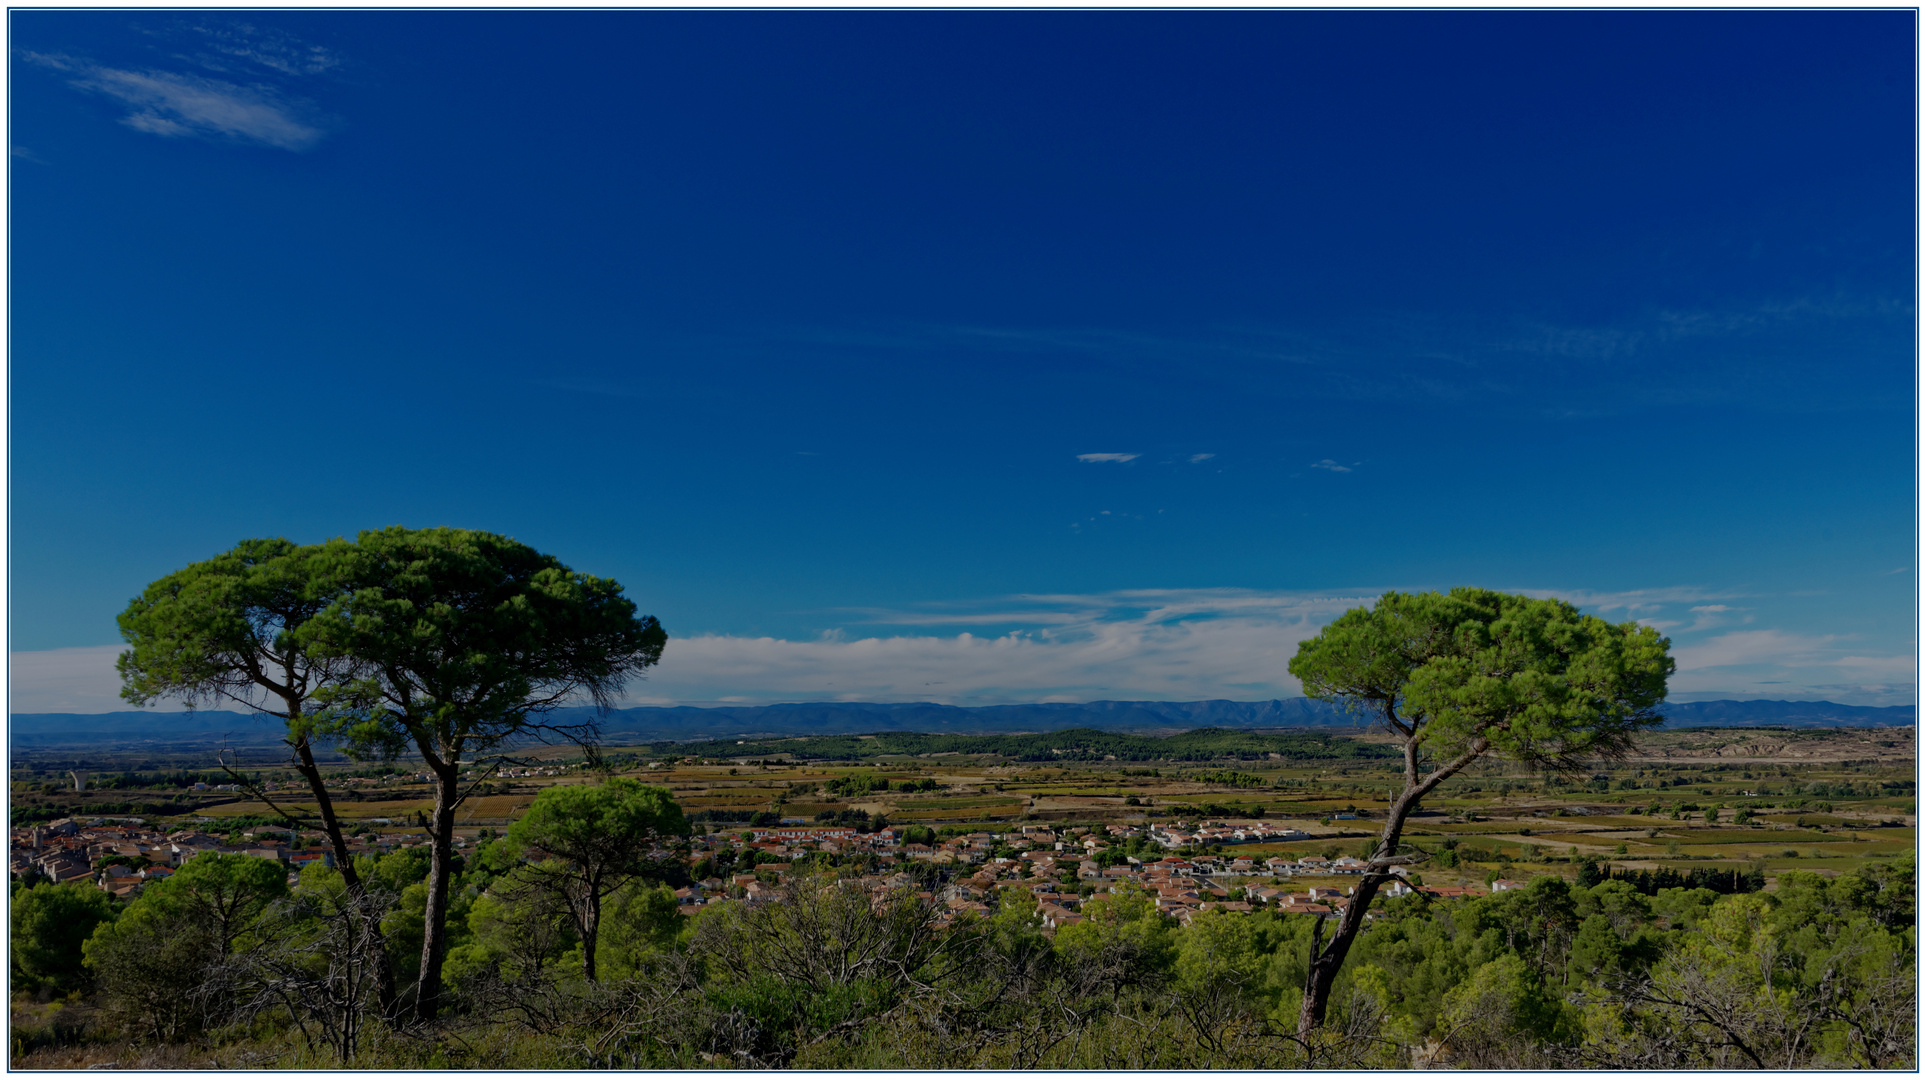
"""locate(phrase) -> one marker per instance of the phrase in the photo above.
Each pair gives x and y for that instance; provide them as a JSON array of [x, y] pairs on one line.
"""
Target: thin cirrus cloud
[[272, 49], [1333, 466], [173, 105], [1117, 458], [1143, 644], [1779, 664], [1652, 358]]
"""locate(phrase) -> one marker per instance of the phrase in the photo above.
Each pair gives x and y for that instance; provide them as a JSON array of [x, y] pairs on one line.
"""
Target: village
[[1061, 870], [966, 873], [976, 835]]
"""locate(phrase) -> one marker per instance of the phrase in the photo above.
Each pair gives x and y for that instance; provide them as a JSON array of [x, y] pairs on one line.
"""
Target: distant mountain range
[[130, 730]]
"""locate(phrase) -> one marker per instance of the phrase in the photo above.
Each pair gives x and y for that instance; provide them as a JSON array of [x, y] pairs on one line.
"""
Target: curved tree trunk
[[1326, 963]]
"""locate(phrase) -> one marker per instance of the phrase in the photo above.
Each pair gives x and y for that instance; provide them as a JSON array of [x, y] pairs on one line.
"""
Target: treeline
[[180, 778], [1653, 882], [227, 958], [40, 815], [1230, 778], [1213, 810], [1851, 789], [1073, 745], [727, 816], [857, 785], [842, 818]]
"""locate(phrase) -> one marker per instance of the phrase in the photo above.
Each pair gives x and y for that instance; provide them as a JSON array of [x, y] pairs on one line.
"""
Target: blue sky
[[1132, 345]]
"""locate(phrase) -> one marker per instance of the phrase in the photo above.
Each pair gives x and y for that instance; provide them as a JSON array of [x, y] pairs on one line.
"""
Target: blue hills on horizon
[[134, 729]]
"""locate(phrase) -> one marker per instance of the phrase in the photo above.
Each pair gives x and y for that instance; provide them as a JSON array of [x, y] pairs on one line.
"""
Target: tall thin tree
[[238, 628], [470, 641]]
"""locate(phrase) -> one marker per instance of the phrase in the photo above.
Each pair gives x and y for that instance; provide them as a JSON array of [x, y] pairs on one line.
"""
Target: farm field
[[1816, 799]]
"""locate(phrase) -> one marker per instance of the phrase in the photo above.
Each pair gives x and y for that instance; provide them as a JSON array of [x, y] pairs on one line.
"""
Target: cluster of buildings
[[1059, 870], [122, 857], [1206, 833], [1037, 860]]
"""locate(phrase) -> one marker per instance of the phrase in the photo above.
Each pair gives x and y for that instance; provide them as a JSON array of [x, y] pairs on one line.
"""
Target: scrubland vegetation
[[863, 957]]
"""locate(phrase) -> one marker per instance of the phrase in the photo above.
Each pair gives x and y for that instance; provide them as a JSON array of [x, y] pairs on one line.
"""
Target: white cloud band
[[1163, 644]]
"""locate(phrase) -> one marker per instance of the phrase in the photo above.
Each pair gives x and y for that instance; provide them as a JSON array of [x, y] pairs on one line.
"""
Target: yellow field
[[349, 811], [977, 802], [484, 809]]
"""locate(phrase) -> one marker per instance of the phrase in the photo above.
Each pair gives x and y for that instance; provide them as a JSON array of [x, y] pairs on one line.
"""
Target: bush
[[50, 924]]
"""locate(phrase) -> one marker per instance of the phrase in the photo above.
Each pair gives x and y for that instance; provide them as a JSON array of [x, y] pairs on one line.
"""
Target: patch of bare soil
[[1893, 746]]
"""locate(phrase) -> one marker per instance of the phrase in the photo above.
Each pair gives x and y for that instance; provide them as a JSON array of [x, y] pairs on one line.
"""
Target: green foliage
[[616, 826], [236, 625], [150, 965], [1553, 975], [463, 641], [639, 921], [594, 841], [856, 785], [1122, 928], [1533, 680], [1505, 1001], [463, 636], [1461, 675], [223, 893], [849, 818], [1651, 882], [1230, 778], [167, 964], [399, 868], [48, 926], [523, 938]]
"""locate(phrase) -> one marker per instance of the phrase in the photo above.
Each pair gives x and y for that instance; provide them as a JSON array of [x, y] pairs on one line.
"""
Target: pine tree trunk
[[372, 940], [1329, 960], [1326, 964], [434, 937], [591, 929]]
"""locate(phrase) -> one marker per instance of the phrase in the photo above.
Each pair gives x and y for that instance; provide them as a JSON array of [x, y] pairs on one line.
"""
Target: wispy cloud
[[1635, 602], [1747, 647], [1196, 458], [1118, 458], [275, 50], [1775, 662], [1637, 360], [1333, 466], [175, 105], [1169, 644]]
